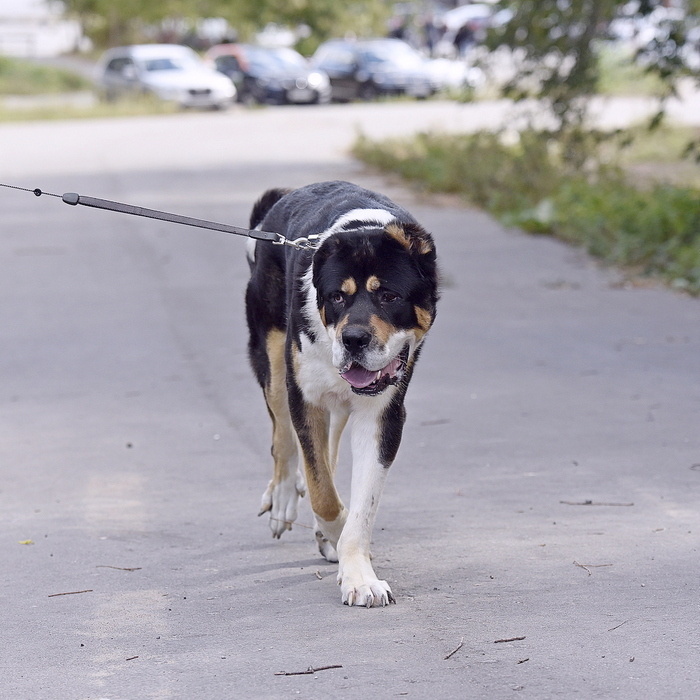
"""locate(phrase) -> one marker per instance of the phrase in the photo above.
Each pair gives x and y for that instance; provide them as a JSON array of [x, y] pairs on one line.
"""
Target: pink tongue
[[359, 377]]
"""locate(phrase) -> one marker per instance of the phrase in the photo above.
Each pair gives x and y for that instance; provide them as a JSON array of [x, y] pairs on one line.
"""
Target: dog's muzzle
[[367, 382]]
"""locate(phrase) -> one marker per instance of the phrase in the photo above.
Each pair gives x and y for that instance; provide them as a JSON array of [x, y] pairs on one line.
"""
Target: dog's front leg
[[372, 456], [312, 424]]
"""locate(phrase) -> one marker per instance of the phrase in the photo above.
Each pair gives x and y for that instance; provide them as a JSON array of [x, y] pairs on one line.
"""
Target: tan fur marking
[[373, 283], [283, 440], [349, 286], [410, 243], [340, 325], [337, 428], [398, 234], [325, 500], [424, 318], [382, 330], [322, 314]]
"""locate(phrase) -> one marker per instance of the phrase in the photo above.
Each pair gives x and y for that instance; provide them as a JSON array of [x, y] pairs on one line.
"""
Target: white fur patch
[[368, 217], [250, 250]]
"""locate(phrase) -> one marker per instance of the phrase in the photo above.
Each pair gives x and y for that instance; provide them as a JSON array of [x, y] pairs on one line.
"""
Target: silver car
[[168, 71]]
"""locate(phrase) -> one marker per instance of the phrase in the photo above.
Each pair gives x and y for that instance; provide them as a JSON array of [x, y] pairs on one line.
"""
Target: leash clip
[[303, 243]]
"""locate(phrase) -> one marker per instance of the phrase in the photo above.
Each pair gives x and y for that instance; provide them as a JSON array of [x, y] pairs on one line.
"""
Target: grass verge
[[652, 229], [97, 109], [19, 77]]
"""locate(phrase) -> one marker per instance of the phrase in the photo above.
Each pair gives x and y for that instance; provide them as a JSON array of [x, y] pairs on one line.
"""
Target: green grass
[[128, 107], [659, 156], [19, 77], [620, 76], [25, 79], [652, 230]]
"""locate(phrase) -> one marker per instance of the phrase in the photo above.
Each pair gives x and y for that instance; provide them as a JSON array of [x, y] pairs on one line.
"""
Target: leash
[[307, 243]]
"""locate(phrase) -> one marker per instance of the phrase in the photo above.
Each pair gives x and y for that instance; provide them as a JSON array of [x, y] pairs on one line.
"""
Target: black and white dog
[[335, 333]]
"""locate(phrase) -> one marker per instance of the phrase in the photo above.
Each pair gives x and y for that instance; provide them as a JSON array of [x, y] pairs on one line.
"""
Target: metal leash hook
[[303, 243], [74, 199]]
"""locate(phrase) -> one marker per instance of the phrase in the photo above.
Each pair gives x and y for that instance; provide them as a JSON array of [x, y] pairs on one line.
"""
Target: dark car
[[373, 67], [270, 75]]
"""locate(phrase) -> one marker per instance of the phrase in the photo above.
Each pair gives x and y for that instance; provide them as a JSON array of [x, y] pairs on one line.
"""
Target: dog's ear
[[413, 237], [419, 243]]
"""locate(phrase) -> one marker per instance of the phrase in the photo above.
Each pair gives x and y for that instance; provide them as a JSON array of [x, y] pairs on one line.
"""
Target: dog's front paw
[[281, 500], [360, 586]]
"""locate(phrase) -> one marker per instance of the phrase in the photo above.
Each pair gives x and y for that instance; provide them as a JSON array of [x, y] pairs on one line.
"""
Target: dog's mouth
[[372, 382]]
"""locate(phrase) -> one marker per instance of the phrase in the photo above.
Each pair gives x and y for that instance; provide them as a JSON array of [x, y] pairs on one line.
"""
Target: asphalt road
[[540, 526]]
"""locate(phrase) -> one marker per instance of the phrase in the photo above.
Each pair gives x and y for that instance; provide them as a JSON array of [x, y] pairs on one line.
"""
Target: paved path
[[546, 491]]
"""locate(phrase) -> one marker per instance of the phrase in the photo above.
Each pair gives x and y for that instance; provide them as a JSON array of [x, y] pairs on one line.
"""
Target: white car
[[168, 71]]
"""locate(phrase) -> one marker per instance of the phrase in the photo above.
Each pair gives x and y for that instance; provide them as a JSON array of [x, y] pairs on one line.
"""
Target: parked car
[[466, 26], [270, 75], [369, 68], [168, 71]]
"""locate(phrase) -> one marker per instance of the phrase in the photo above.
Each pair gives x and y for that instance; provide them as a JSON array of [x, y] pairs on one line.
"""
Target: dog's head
[[376, 294]]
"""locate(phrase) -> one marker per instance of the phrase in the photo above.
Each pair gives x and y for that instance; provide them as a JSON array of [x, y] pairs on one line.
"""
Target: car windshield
[[395, 54], [275, 59], [167, 63]]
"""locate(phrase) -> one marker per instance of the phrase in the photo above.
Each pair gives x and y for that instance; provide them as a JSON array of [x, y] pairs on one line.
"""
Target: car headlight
[[317, 80]]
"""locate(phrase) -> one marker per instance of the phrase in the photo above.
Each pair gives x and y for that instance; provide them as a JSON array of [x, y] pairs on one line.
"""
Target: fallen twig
[[131, 658], [119, 568], [309, 671], [522, 661], [54, 595], [585, 568], [290, 522], [588, 567], [456, 649], [612, 629], [510, 639], [594, 503]]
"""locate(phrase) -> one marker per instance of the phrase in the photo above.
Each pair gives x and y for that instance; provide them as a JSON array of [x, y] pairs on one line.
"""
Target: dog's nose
[[355, 338]]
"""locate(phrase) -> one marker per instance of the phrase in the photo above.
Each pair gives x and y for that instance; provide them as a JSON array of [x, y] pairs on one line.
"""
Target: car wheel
[[368, 91]]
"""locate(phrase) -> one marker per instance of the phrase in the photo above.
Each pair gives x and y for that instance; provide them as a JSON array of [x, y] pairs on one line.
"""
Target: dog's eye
[[388, 297], [336, 297]]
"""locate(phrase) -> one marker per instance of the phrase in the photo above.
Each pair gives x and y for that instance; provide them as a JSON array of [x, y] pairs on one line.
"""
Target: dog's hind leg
[[282, 495]]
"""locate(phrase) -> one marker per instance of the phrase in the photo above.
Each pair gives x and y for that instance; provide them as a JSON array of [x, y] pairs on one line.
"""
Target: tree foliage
[[555, 45], [554, 48], [111, 23]]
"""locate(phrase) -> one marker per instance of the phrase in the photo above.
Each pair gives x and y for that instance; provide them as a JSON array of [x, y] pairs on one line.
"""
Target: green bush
[[528, 181], [656, 230]]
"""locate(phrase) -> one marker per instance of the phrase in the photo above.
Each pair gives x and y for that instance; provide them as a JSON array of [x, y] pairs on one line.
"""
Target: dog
[[335, 333]]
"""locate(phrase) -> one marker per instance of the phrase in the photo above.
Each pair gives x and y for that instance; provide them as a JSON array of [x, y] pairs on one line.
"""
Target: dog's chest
[[318, 379]]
